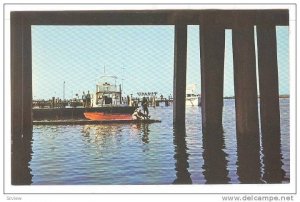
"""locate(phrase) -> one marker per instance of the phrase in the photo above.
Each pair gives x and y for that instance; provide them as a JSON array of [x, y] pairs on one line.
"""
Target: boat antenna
[[104, 69], [123, 68]]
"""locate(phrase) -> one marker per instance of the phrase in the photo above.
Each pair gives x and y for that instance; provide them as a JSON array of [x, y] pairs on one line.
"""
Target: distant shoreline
[[280, 96], [226, 97]]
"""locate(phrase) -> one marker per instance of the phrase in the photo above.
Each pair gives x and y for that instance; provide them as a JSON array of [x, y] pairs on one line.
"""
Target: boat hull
[[76, 113], [192, 101], [101, 116]]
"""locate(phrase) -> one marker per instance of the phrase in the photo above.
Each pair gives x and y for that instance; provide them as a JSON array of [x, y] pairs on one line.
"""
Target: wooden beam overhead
[[225, 18]]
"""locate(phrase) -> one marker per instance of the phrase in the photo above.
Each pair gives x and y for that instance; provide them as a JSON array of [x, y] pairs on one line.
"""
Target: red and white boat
[[108, 102], [107, 116]]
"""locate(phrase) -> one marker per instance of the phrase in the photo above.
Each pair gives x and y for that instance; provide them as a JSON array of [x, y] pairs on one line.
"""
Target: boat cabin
[[108, 92]]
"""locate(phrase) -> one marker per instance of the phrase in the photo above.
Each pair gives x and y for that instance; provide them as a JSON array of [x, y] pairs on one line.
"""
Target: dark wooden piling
[[179, 87], [212, 44], [245, 79], [27, 80], [269, 102], [245, 87], [20, 121], [268, 79], [17, 105]]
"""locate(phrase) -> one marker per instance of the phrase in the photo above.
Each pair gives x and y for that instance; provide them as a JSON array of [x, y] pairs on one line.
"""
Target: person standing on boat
[[88, 99], [83, 99], [145, 106]]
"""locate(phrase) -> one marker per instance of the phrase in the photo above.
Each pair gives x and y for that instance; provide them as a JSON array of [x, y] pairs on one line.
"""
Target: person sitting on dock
[[139, 115], [83, 99]]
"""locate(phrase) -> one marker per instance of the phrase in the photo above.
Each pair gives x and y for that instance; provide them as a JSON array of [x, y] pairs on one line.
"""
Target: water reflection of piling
[[269, 103], [181, 157], [21, 156], [272, 172], [248, 162], [145, 133], [215, 164]]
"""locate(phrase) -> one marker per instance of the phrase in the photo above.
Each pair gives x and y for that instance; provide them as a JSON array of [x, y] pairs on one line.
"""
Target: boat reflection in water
[[99, 134], [103, 136]]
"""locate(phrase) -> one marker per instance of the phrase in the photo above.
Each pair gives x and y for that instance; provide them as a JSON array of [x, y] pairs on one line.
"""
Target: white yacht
[[192, 98]]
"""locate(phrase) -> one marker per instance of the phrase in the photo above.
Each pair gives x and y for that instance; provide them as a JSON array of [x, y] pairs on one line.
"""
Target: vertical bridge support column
[[27, 82], [21, 97], [17, 98], [179, 87], [268, 79], [245, 81], [212, 46], [246, 101], [269, 102]]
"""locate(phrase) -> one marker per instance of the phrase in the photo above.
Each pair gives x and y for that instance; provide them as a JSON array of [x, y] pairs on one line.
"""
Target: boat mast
[[123, 68]]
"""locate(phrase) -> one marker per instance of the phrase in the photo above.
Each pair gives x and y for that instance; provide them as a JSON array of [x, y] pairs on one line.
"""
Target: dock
[[86, 122]]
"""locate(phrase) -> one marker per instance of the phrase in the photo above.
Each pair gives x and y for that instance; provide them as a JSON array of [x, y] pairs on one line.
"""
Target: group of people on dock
[[138, 114], [86, 99]]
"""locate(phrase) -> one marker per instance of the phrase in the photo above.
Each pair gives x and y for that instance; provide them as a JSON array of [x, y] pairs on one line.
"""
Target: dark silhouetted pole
[[245, 87], [21, 122], [269, 103], [268, 80], [179, 88], [212, 44]]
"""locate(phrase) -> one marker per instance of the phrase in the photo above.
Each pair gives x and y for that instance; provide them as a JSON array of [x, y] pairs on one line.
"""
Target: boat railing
[[110, 88]]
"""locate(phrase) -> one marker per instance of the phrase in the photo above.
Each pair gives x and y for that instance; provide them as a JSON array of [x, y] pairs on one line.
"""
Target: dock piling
[[268, 79], [179, 87], [247, 128], [21, 122], [245, 80], [212, 44], [269, 102]]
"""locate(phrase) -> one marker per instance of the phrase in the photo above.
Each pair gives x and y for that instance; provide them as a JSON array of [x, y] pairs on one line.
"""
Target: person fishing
[[145, 106]]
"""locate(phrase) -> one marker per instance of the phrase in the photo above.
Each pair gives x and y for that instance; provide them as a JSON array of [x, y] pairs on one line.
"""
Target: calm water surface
[[151, 153]]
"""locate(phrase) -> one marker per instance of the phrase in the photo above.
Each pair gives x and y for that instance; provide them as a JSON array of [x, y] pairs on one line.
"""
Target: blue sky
[[141, 57]]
